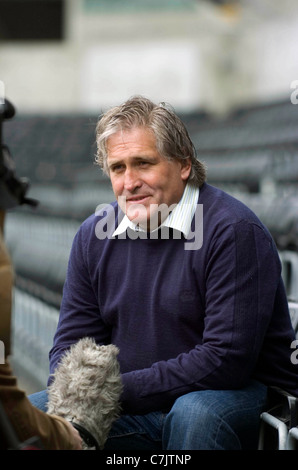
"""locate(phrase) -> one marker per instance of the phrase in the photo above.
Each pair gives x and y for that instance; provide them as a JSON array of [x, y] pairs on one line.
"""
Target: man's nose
[[131, 180]]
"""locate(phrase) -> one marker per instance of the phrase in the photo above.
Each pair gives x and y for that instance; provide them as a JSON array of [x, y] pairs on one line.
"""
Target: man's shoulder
[[222, 210], [218, 201]]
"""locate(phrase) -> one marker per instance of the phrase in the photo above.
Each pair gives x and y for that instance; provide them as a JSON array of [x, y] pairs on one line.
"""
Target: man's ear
[[185, 169]]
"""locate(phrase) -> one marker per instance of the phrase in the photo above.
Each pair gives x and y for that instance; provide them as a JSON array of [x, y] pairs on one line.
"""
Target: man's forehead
[[134, 140]]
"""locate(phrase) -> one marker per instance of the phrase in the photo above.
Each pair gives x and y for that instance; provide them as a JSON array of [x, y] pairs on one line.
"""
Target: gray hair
[[172, 138]]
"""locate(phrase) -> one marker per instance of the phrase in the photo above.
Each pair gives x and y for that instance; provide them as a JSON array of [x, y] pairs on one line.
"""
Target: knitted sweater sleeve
[[79, 312], [242, 273]]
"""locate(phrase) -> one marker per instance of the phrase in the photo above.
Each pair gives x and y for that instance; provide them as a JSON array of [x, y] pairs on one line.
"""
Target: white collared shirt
[[180, 217]]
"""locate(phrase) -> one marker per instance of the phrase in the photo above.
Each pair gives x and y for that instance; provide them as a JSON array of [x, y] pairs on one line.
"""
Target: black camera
[[12, 188]]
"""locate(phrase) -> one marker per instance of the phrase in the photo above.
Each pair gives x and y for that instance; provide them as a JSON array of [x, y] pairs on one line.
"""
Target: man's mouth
[[138, 199]]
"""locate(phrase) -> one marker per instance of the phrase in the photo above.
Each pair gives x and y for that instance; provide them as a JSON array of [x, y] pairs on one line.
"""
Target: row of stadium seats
[[34, 326], [251, 169], [248, 143], [51, 149], [39, 248]]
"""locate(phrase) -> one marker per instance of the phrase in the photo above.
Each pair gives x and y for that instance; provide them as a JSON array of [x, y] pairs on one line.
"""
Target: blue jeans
[[203, 420]]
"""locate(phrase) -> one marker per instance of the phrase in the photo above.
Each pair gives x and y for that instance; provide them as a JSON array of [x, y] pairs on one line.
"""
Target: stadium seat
[[278, 428], [292, 439]]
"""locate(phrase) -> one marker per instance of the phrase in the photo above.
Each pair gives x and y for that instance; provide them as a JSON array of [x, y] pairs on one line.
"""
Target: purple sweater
[[184, 320]]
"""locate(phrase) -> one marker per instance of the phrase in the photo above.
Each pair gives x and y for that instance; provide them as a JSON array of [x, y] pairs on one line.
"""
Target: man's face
[[141, 176]]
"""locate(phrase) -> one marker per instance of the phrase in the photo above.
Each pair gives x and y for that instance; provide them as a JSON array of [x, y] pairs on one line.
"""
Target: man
[[195, 303]]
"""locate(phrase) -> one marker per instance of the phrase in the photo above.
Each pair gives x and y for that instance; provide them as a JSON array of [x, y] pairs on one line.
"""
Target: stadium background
[[230, 70]]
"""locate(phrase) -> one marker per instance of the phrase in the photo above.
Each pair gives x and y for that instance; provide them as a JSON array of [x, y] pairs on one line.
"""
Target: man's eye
[[117, 168]]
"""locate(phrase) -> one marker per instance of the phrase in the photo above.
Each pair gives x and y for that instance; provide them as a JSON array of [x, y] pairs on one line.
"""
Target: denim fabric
[[40, 400], [203, 420]]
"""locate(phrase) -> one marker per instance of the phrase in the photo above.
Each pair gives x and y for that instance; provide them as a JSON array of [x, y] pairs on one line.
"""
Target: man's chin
[[137, 213], [144, 223]]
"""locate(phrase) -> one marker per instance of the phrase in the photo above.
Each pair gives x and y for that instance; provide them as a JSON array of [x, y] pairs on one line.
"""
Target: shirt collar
[[179, 219]]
